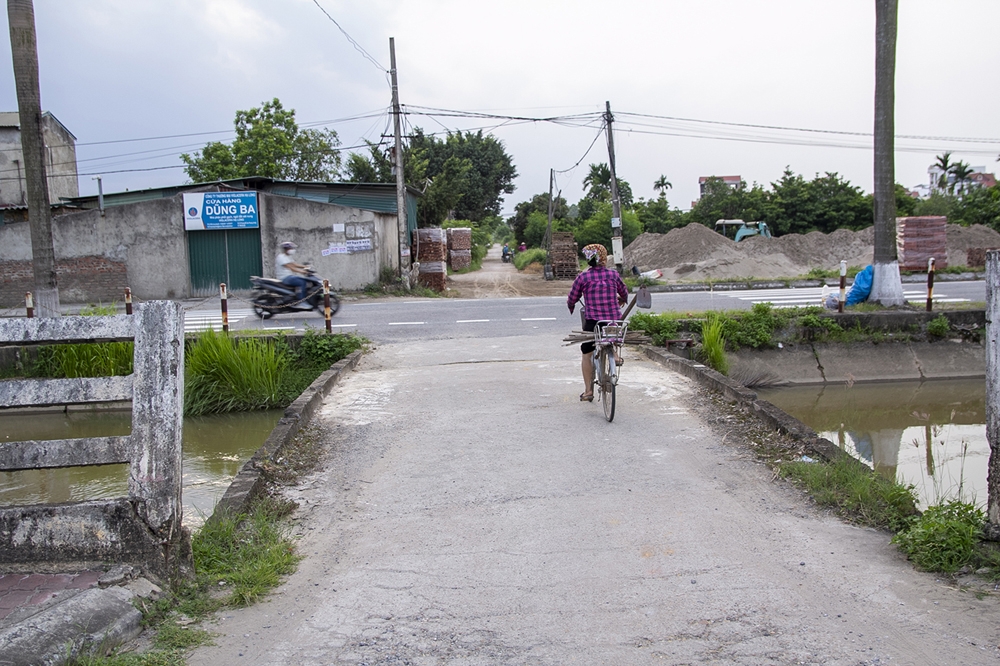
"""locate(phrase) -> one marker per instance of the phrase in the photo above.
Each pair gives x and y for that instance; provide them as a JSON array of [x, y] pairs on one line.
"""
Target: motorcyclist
[[506, 252], [291, 273]]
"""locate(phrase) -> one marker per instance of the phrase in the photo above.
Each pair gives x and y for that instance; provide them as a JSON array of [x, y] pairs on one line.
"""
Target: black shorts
[[588, 325]]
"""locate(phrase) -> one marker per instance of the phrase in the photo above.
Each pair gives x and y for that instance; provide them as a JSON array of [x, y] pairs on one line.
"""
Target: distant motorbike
[[507, 258], [271, 296]]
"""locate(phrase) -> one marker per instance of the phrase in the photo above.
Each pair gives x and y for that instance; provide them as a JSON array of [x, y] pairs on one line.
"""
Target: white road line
[[471, 321], [407, 323], [279, 328], [343, 325], [538, 318]]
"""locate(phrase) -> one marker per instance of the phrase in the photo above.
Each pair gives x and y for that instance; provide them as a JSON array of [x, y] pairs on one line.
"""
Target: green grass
[[103, 359], [535, 255], [660, 327], [855, 492], [939, 327], [226, 375], [713, 345], [944, 538]]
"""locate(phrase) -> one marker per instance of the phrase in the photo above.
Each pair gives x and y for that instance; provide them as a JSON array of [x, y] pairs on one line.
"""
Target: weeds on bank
[[535, 255], [713, 345], [237, 559]]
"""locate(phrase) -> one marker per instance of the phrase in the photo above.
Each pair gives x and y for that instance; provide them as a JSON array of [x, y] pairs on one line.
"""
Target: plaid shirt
[[600, 288]]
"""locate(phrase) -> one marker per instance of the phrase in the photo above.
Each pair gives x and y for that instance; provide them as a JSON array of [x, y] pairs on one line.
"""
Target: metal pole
[[100, 194], [29, 305], [548, 229], [128, 301], [843, 286], [616, 204], [225, 307], [930, 284], [404, 234], [326, 305]]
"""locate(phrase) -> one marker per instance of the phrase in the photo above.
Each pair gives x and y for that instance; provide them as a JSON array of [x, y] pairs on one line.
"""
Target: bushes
[[660, 327], [713, 345], [944, 538], [534, 255], [226, 375]]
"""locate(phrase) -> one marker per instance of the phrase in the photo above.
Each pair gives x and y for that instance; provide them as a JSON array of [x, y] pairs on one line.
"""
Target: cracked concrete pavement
[[470, 510]]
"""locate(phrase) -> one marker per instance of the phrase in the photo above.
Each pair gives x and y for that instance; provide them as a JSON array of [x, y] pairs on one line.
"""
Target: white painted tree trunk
[[887, 288]]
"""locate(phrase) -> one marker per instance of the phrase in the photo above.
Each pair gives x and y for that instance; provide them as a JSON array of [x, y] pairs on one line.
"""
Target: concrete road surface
[[472, 511]]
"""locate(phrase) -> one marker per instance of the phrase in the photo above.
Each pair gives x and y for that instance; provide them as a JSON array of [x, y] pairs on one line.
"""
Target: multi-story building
[[60, 160]]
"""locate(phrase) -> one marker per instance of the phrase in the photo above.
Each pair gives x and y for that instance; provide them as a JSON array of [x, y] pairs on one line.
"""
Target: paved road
[[472, 511], [439, 318]]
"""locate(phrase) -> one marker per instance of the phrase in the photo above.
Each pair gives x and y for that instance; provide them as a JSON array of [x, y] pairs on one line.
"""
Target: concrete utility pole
[[404, 236], [24, 53], [548, 230], [992, 390], [616, 204]]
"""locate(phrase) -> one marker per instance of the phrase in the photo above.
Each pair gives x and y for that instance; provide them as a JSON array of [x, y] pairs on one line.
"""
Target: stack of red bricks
[[919, 239], [431, 250], [459, 248], [565, 264]]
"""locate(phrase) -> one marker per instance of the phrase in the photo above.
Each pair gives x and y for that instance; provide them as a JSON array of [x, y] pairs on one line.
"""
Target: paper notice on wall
[[335, 248], [338, 227], [359, 245]]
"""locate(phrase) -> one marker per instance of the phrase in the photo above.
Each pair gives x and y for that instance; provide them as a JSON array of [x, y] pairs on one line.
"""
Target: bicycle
[[609, 337]]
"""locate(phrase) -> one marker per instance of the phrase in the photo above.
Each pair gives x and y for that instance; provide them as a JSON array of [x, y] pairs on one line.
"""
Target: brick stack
[[565, 264], [431, 250], [459, 248], [920, 238]]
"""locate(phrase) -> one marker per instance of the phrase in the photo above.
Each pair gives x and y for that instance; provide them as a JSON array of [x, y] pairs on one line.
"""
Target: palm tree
[[961, 171], [945, 166], [598, 180], [24, 54], [662, 185], [887, 288]]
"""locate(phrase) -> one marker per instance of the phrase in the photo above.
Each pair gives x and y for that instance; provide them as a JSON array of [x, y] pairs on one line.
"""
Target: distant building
[[60, 160], [731, 181], [980, 179]]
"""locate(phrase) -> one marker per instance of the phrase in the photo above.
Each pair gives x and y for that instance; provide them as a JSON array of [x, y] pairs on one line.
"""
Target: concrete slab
[[794, 364], [950, 359], [867, 362]]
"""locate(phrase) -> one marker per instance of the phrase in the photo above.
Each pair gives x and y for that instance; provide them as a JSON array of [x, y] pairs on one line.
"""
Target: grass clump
[[713, 345], [944, 538], [754, 329], [855, 492], [659, 327], [225, 375], [102, 359], [535, 255], [939, 327]]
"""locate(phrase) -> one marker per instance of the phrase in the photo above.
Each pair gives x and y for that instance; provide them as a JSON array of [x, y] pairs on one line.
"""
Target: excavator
[[742, 229]]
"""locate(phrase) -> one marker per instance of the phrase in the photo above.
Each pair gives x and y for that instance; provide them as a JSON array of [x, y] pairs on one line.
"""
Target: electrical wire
[[351, 39]]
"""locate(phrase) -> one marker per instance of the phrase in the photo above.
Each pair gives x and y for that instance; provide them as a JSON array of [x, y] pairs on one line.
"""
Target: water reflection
[[931, 434], [214, 449]]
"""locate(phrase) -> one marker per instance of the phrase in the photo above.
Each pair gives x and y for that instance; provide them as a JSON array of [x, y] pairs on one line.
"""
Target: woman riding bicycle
[[603, 293]]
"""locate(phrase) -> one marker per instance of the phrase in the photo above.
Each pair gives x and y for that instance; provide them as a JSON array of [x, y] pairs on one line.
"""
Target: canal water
[[931, 434], [214, 448]]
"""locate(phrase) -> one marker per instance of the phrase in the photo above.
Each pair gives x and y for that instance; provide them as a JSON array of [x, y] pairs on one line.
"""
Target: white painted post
[[993, 387]]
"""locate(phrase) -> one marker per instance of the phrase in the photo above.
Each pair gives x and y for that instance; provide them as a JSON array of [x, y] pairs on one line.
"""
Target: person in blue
[[506, 252], [290, 272]]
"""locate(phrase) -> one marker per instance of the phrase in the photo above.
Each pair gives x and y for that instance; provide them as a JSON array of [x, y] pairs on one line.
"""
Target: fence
[[143, 528]]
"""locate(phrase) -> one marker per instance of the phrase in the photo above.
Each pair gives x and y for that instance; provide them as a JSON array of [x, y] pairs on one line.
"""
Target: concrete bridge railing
[[143, 528]]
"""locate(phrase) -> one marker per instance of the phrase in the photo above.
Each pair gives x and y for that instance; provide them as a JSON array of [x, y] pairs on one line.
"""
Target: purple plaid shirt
[[600, 288]]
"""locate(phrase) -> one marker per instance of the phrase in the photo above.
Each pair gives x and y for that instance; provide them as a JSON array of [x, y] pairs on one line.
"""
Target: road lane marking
[[343, 325], [538, 318], [407, 323], [470, 321]]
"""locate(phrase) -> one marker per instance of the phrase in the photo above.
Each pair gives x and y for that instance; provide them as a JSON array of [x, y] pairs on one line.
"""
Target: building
[[150, 241], [60, 160], [731, 181], [978, 178]]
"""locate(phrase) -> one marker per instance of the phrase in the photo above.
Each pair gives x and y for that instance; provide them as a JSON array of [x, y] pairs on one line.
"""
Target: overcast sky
[[129, 69]]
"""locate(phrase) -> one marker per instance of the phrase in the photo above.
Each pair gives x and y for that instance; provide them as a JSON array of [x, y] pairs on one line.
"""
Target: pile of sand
[[695, 252]]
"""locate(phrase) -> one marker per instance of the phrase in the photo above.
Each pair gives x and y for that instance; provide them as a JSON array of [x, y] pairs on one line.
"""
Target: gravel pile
[[695, 252]]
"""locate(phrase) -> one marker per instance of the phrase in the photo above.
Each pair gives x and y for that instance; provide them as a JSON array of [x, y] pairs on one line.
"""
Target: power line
[[351, 39]]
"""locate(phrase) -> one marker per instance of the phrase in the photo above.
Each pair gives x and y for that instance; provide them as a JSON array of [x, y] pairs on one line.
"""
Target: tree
[[597, 229], [376, 168], [887, 288], [24, 54], [657, 217], [721, 202], [662, 185], [490, 173], [537, 204], [961, 171], [944, 165], [598, 184], [270, 144]]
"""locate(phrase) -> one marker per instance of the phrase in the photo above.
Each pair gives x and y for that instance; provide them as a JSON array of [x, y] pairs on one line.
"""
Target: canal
[[214, 448], [931, 434]]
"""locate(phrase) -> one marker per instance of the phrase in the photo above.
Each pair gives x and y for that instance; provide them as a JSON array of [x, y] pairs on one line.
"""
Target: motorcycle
[[271, 296], [507, 258]]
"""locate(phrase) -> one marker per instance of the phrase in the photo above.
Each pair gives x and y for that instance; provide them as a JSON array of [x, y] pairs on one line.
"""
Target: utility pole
[[616, 204], [404, 235], [548, 230], [24, 53]]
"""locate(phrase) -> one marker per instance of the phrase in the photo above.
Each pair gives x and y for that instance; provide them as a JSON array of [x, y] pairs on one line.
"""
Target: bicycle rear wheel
[[608, 383]]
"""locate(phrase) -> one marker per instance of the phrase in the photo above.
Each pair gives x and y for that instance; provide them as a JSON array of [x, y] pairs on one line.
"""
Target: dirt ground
[[499, 280]]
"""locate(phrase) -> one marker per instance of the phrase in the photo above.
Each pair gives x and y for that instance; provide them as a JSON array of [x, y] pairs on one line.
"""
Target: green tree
[[598, 184], [721, 202], [537, 204], [980, 205], [597, 229], [375, 168], [961, 171], [662, 185], [270, 144], [657, 217], [944, 165]]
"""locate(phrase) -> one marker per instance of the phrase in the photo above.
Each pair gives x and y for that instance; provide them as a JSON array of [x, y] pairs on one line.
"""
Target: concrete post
[[993, 387]]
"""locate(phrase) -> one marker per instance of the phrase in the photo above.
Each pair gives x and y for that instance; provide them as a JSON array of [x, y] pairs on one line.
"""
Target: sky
[[692, 85]]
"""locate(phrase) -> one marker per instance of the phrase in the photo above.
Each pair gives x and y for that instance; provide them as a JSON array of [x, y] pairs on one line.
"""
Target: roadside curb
[[764, 411], [916, 278], [249, 480]]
